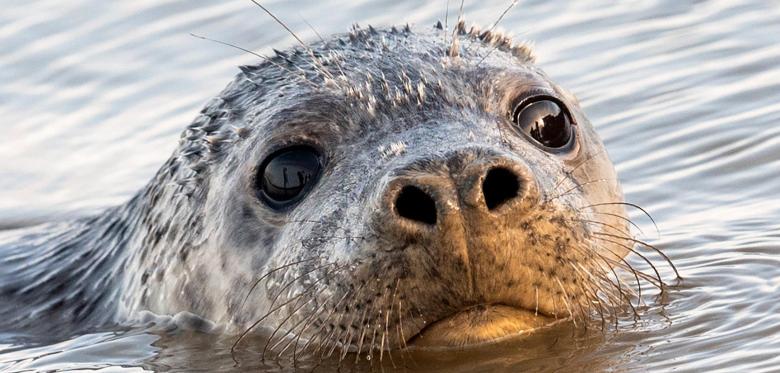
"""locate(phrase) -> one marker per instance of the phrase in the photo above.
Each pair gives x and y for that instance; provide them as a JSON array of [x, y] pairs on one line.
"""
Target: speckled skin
[[386, 108]]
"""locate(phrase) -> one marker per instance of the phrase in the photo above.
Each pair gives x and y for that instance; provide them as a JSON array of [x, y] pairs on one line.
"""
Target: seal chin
[[478, 325]]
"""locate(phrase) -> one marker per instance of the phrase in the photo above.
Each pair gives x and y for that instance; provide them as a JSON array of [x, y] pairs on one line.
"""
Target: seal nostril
[[500, 185], [414, 204]]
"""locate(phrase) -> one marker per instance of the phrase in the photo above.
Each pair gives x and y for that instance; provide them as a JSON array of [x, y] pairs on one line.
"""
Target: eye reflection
[[288, 174], [545, 121]]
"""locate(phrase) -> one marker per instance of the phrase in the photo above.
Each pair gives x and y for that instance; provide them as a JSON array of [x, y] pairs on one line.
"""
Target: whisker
[[621, 293], [625, 204], [566, 302], [401, 324], [254, 285], [323, 346], [362, 334], [627, 247], [324, 278], [300, 73], [536, 310], [454, 47], [279, 21], [504, 13], [298, 338], [622, 263], [493, 26], [627, 266], [313, 29], [330, 314], [446, 21], [613, 300], [645, 244], [567, 174], [281, 339], [629, 221], [315, 63], [329, 339], [616, 229], [269, 313], [577, 186], [293, 281], [582, 285]]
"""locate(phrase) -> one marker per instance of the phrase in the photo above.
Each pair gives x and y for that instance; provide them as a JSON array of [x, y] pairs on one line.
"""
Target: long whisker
[[566, 302], [624, 264], [281, 339], [301, 333], [616, 229], [625, 204], [296, 338], [623, 294], [627, 247], [254, 285], [645, 244], [324, 278], [493, 26], [454, 52], [322, 347], [446, 21], [269, 313], [320, 330], [613, 301], [629, 221], [567, 174], [315, 62], [627, 266], [300, 73], [279, 21], [583, 284], [578, 186], [291, 282], [366, 312], [313, 29], [504, 13]]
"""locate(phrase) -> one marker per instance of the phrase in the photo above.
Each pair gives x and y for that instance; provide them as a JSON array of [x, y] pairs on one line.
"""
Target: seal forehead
[[398, 65]]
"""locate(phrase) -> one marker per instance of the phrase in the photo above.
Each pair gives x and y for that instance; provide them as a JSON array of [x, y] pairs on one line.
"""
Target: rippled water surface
[[685, 94]]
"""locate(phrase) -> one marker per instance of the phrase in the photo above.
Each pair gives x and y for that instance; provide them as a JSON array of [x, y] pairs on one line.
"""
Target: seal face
[[375, 189]]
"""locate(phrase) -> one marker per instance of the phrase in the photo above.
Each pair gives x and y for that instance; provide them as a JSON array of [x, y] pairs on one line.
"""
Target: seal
[[377, 189]]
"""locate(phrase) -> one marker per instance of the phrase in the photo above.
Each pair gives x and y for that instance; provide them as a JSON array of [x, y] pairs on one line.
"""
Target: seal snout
[[425, 198], [499, 185]]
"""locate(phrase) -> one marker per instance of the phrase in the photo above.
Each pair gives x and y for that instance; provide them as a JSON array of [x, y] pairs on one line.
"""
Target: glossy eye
[[545, 120], [287, 175]]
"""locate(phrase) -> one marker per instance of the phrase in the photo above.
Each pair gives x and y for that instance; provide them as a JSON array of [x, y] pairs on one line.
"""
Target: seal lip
[[539, 94], [480, 325]]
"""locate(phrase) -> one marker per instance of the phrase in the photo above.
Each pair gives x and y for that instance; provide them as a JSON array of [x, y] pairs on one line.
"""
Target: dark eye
[[286, 176], [545, 120]]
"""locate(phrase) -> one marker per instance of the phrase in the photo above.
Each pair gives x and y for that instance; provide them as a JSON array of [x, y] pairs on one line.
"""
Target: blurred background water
[[685, 94]]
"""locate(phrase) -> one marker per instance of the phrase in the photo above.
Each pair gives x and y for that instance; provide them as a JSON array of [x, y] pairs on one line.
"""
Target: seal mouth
[[478, 325]]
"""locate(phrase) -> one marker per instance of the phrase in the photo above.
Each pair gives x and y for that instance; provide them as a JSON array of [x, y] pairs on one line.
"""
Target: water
[[685, 94]]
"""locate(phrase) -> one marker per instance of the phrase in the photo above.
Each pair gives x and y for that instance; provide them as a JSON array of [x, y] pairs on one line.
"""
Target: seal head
[[384, 181], [379, 188]]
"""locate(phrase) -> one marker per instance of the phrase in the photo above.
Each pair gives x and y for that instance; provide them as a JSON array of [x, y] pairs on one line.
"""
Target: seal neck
[[66, 273]]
